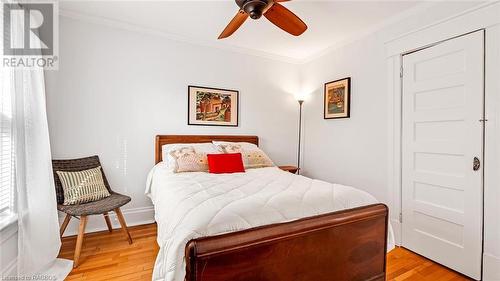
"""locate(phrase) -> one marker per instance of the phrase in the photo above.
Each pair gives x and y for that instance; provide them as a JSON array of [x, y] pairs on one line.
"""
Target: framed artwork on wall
[[212, 106], [337, 99]]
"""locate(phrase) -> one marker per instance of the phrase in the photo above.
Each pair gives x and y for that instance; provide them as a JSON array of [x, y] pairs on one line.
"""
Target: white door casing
[[442, 132]]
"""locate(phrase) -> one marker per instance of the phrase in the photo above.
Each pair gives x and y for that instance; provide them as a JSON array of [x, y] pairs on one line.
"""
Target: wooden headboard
[[167, 139]]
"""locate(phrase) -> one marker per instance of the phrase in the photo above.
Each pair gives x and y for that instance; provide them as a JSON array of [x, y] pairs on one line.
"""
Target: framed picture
[[337, 100], [212, 106]]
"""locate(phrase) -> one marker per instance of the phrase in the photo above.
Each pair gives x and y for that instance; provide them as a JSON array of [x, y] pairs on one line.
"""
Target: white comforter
[[192, 205]]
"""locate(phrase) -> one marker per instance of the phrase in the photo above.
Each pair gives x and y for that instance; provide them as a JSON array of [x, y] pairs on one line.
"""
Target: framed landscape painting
[[212, 106], [337, 99]]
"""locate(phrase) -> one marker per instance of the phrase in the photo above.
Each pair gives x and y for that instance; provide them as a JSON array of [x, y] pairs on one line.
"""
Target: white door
[[442, 193]]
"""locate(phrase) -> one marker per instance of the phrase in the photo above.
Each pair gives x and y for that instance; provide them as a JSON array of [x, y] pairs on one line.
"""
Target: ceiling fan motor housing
[[254, 8]]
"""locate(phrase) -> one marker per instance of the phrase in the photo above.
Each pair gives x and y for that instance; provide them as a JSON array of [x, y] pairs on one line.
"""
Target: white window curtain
[[38, 226], [6, 146], [6, 143]]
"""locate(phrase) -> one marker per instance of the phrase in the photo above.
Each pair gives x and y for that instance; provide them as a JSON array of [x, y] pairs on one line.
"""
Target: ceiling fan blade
[[281, 0], [286, 20], [234, 24]]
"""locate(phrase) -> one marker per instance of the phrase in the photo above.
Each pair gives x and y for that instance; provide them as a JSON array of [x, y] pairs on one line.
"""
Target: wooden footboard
[[345, 245]]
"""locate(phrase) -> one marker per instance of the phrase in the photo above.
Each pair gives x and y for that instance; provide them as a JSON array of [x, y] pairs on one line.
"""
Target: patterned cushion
[[202, 148], [256, 159], [230, 147], [83, 186], [188, 160], [253, 157]]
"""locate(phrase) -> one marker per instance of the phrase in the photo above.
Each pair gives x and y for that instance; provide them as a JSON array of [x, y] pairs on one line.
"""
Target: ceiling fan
[[272, 10]]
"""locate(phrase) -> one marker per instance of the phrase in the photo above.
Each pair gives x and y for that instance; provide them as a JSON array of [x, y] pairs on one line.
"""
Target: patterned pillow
[[253, 157], [202, 148], [230, 147], [256, 159], [188, 160], [83, 186]]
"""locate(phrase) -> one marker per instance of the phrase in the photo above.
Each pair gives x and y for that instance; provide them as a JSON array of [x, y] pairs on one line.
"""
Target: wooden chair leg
[[108, 222], [79, 240], [123, 224], [64, 224]]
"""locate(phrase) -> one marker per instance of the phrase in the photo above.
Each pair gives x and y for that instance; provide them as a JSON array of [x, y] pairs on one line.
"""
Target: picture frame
[[213, 106], [337, 99]]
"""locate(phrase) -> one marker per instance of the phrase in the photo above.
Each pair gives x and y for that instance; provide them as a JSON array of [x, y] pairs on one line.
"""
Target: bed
[[265, 224]]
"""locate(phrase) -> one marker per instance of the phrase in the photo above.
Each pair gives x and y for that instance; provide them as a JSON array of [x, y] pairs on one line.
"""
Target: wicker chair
[[100, 207]]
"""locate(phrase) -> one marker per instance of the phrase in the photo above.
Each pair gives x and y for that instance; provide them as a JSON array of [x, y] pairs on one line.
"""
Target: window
[[6, 143]]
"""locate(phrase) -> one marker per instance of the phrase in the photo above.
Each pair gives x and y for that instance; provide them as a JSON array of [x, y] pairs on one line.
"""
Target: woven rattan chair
[[100, 207]]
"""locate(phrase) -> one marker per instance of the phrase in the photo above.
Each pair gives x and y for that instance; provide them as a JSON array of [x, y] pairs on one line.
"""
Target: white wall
[[349, 151], [354, 151], [492, 157], [116, 89], [358, 151]]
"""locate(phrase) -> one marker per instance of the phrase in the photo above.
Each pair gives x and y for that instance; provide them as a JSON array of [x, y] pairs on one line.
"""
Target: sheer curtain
[[38, 226]]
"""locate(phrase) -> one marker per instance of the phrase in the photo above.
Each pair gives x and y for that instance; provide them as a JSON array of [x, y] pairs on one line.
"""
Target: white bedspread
[[192, 205]]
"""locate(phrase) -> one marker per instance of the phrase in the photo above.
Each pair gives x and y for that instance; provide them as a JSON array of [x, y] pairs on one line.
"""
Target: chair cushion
[[115, 200], [75, 165], [82, 186]]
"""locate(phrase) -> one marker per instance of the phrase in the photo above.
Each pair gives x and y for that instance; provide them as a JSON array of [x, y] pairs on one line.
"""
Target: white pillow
[[243, 145], [253, 156], [201, 148]]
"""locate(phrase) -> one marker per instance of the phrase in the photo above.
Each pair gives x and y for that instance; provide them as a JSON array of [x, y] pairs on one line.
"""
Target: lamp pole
[[300, 136]]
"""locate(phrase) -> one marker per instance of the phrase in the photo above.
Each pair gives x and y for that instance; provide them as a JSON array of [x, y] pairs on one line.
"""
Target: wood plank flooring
[[108, 256], [405, 265]]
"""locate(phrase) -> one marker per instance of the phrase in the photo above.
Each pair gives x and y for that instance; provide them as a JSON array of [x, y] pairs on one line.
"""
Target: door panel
[[443, 101]]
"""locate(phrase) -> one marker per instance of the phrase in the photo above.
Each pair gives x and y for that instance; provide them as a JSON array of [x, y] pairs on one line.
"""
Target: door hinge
[[400, 217], [401, 72]]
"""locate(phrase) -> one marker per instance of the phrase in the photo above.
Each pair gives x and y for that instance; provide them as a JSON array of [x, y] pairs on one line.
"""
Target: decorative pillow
[[201, 148], [188, 160], [230, 148], [225, 163], [253, 156], [83, 186]]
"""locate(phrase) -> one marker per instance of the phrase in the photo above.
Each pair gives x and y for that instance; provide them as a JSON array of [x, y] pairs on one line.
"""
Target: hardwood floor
[[405, 265], [108, 256]]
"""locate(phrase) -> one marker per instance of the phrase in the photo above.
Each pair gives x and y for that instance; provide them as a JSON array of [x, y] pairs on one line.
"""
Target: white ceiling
[[329, 22]]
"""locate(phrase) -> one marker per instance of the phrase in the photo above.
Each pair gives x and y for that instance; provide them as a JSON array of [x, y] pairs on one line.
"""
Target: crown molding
[[98, 20]]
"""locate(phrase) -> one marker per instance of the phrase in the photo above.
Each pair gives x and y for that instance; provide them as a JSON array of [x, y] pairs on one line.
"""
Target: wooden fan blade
[[285, 19], [234, 24]]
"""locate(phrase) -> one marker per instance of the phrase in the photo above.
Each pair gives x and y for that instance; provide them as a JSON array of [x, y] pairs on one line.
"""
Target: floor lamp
[[300, 134]]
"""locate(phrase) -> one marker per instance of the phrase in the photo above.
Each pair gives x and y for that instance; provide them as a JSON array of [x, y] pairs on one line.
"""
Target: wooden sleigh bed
[[345, 245]]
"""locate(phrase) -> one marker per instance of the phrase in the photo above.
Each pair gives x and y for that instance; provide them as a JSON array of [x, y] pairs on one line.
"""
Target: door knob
[[476, 164]]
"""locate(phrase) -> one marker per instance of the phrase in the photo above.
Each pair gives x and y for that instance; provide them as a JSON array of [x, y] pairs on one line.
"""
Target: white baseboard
[[396, 227], [134, 216], [491, 267]]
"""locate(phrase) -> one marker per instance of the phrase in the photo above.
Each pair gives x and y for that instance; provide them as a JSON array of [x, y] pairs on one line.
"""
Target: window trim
[[6, 219]]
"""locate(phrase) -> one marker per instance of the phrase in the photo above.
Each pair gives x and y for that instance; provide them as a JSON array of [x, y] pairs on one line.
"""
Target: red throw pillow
[[225, 163]]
